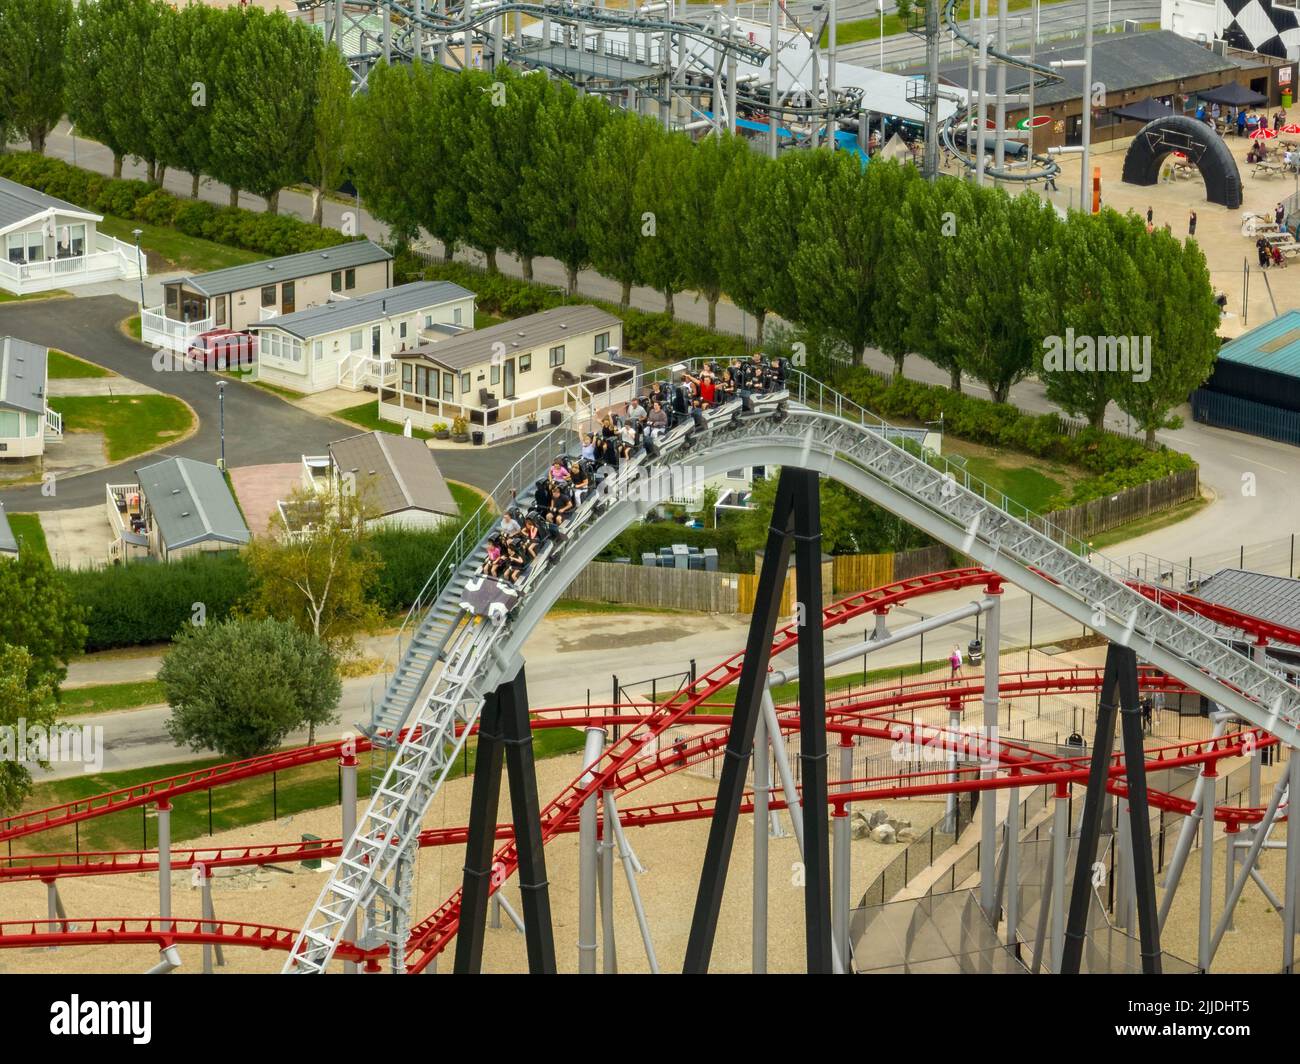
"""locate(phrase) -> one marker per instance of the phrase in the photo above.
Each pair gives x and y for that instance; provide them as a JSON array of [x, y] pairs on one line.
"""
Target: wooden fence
[[1111, 511], [858, 572], [641, 585]]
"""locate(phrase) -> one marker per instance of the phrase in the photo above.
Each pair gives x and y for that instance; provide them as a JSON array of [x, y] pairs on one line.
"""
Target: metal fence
[[1245, 415]]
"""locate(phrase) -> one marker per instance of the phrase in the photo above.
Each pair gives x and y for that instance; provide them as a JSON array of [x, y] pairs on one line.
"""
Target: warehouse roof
[[347, 313], [191, 503], [1121, 61], [22, 375], [8, 541], [519, 336], [18, 203], [1273, 346], [287, 268], [394, 473]]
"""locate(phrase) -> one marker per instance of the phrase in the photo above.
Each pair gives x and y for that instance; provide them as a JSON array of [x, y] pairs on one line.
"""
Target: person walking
[[1279, 213], [1191, 223], [1241, 123], [1150, 218], [954, 661]]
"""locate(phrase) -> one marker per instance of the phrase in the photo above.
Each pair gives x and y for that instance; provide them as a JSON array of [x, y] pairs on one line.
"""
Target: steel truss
[[455, 659]]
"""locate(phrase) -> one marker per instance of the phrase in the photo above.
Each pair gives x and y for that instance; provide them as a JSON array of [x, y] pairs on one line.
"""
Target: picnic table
[[1183, 169], [1266, 167]]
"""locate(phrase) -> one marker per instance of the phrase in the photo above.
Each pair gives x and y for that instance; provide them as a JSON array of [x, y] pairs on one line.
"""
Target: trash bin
[[477, 437], [557, 416], [312, 863], [975, 651]]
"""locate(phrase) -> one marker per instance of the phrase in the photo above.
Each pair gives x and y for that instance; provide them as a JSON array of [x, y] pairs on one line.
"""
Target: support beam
[[505, 733], [988, 770], [1206, 898], [740, 742], [762, 790], [1187, 834], [1257, 842], [843, 860], [1060, 845], [605, 876], [348, 823], [1291, 893], [1013, 870], [587, 860], [164, 864], [630, 868]]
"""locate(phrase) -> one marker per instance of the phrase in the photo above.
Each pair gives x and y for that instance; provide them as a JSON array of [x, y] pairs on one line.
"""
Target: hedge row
[[144, 603], [131, 605], [1116, 462], [656, 337], [266, 234]]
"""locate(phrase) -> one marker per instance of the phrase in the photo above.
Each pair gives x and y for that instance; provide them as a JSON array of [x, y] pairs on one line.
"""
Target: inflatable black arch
[[1203, 147]]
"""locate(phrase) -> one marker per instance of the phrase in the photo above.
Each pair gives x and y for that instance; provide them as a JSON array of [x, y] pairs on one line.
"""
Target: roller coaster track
[[810, 427], [1047, 166]]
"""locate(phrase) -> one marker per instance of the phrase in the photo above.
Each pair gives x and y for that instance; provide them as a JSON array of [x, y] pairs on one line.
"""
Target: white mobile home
[[351, 343], [240, 296], [26, 421], [396, 476], [49, 244]]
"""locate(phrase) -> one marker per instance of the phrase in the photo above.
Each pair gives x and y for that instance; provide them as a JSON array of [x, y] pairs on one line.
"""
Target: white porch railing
[[158, 330], [110, 261], [53, 424], [357, 372]]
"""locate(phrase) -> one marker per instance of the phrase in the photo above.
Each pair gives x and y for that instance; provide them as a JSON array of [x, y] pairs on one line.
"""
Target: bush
[[408, 558], [142, 603], [1115, 462], [266, 234]]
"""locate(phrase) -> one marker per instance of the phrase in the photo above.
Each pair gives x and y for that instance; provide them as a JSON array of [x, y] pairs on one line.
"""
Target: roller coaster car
[[486, 596]]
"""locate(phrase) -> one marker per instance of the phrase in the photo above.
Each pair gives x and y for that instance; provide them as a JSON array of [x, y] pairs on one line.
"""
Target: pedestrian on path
[[954, 660], [1191, 223]]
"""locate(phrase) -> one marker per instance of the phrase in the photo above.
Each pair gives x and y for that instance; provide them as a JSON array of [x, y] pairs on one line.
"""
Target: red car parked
[[223, 349]]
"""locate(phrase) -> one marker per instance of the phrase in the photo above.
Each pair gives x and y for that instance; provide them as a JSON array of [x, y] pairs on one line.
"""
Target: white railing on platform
[[361, 371], [53, 423], [111, 260], [158, 330]]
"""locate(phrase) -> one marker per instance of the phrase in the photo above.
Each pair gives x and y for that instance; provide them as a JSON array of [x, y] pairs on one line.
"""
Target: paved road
[[571, 656], [260, 427]]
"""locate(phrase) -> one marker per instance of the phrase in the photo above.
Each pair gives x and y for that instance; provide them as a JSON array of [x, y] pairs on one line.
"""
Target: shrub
[[141, 603], [408, 558]]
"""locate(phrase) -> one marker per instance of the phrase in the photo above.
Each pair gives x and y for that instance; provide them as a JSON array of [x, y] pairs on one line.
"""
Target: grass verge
[[170, 249], [63, 366], [131, 424], [106, 697], [29, 533]]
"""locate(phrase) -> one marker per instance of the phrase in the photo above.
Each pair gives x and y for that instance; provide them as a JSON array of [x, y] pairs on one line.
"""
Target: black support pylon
[[796, 525], [505, 733], [1119, 691]]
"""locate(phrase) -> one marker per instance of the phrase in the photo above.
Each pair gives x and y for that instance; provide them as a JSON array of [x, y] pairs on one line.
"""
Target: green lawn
[[309, 787], [105, 697], [868, 29], [166, 248], [29, 533], [132, 326], [467, 499], [1027, 486], [63, 366], [131, 424], [367, 416], [482, 319], [9, 297]]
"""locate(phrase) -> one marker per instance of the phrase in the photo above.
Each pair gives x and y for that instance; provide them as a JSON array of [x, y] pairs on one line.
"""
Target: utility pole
[[931, 158], [1000, 87], [1085, 174]]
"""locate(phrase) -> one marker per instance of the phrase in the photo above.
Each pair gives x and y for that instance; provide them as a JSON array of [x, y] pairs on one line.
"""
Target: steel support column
[[348, 823], [762, 792], [1118, 690], [988, 769], [505, 732], [740, 741]]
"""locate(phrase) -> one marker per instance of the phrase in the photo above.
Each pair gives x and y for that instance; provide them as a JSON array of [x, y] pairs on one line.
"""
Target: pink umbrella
[[1264, 133], [1291, 127]]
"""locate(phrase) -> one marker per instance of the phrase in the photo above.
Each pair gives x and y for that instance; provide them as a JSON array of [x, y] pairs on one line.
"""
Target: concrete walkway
[[113, 385]]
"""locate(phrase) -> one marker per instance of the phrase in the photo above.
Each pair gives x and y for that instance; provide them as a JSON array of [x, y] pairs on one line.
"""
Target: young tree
[[891, 301], [981, 308], [1079, 289], [33, 64], [383, 151], [743, 261], [552, 198], [183, 56], [931, 217], [330, 129], [834, 264], [23, 698], [1183, 342], [663, 185], [240, 686], [263, 118], [701, 253], [318, 575], [610, 222], [37, 612]]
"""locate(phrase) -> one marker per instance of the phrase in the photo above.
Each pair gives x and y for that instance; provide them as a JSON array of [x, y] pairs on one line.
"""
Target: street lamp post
[[139, 265], [880, 6], [221, 406]]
